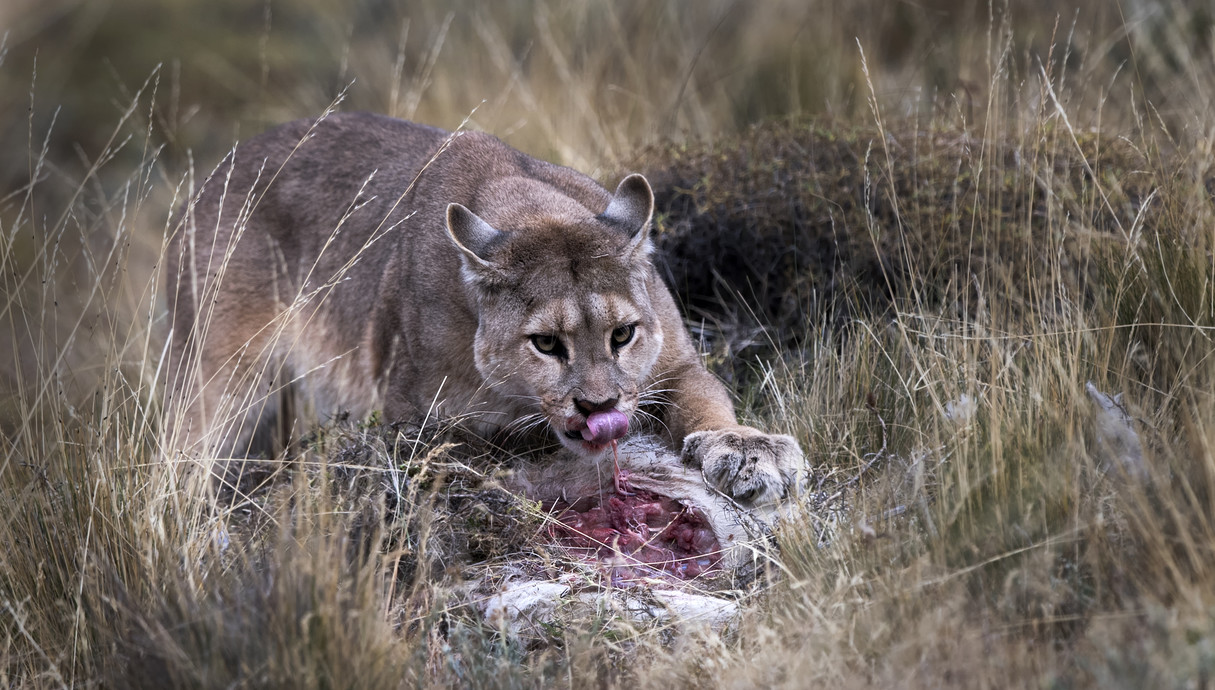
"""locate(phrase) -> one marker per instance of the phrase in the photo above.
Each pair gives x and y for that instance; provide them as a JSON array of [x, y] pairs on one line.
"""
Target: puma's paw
[[746, 464]]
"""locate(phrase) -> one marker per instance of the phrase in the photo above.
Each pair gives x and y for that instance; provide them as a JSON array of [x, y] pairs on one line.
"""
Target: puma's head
[[563, 303]]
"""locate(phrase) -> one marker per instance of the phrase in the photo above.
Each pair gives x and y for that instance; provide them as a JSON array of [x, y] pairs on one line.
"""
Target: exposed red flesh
[[638, 534]]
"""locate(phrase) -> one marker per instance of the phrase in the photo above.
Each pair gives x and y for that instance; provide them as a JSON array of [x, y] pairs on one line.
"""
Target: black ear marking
[[470, 234], [632, 208]]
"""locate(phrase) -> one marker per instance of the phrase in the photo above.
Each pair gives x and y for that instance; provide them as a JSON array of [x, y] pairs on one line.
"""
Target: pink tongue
[[602, 427]]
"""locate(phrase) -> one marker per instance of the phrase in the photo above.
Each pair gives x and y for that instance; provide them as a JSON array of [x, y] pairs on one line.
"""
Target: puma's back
[[315, 267], [362, 263]]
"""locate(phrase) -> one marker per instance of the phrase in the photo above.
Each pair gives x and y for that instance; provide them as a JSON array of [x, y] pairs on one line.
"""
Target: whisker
[[654, 397], [657, 420], [531, 424], [522, 396], [526, 420], [524, 424]]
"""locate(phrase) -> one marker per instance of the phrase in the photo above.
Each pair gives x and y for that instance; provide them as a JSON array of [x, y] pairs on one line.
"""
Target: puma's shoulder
[[362, 262]]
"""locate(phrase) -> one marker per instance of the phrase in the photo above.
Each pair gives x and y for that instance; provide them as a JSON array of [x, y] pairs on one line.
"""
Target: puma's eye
[[622, 335], [548, 344]]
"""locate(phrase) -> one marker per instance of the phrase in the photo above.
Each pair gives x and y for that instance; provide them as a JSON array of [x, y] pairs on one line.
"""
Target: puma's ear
[[471, 235], [631, 208]]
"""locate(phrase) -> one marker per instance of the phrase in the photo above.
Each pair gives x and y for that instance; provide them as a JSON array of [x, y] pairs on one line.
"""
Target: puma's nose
[[588, 408]]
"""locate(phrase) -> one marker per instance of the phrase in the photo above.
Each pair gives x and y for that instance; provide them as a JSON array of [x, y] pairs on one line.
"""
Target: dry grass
[[953, 207]]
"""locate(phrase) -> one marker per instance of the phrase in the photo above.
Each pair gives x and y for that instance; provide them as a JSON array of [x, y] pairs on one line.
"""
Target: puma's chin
[[574, 441], [594, 435]]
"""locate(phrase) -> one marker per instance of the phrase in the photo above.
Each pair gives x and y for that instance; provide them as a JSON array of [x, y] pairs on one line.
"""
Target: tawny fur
[[360, 262]]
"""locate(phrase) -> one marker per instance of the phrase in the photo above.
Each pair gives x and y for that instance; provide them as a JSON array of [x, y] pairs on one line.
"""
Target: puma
[[359, 263]]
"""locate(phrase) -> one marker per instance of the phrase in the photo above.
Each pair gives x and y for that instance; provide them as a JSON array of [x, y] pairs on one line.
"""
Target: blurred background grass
[[583, 82]]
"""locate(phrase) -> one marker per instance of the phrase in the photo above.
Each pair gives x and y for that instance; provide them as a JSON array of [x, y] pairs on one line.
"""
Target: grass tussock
[[802, 220], [936, 271]]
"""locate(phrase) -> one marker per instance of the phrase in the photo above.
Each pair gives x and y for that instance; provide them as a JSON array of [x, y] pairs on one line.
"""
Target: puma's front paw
[[746, 464]]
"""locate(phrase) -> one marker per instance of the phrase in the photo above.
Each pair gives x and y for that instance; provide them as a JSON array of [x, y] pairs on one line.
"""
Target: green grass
[[955, 204]]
